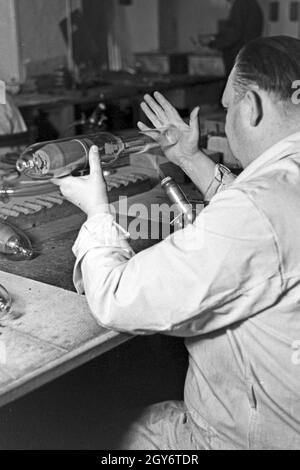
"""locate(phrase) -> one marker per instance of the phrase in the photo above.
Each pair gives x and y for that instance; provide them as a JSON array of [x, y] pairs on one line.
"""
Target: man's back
[[243, 382]]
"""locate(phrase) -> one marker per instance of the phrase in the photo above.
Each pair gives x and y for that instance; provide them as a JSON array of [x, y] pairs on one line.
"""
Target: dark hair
[[271, 63]]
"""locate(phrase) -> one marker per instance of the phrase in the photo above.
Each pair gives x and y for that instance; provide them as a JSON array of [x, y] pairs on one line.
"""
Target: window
[[274, 11], [294, 11]]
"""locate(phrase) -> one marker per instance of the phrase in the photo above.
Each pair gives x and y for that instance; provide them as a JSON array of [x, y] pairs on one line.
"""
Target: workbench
[[183, 91], [51, 331], [115, 86]]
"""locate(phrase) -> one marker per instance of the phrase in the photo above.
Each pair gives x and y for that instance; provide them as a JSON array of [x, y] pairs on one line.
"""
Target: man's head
[[258, 96]]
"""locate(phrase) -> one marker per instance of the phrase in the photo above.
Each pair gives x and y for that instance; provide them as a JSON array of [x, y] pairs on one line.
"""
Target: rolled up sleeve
[[218, 271]]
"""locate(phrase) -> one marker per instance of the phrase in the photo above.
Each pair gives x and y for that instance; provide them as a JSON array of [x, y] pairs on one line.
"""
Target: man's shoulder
[[235, 210], [274, 190]]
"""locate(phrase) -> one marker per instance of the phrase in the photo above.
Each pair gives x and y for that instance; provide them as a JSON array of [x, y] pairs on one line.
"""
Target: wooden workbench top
[[116, 86], [52, 331]]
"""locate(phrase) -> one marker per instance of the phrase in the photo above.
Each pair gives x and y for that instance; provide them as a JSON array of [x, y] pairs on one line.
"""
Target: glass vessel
[[14, 244], [5, 303], [62, 157]]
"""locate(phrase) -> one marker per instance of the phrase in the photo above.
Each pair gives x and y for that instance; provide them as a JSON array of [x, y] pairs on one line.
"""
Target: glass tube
[[61, 157], [5, 303]]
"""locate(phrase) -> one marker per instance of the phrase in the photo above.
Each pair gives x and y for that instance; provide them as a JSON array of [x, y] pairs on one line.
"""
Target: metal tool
[[177, 197]]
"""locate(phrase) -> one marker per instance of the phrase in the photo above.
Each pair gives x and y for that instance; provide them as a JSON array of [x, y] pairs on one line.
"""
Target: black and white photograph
[[149, 228]]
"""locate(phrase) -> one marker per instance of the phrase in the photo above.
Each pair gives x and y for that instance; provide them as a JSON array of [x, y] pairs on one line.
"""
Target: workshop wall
[[30, 36], [143, 22], [284, 18], [138, 20], [9, 44], [39, 33], [202, 16], [198, 16]]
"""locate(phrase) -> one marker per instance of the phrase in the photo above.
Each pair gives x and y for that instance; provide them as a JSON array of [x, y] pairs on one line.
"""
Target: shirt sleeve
[[218, 271], [6, 125], [11, 121], [223, 179]]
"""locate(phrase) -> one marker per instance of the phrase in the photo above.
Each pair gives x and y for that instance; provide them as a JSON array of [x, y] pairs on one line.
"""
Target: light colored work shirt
[[229, 284]]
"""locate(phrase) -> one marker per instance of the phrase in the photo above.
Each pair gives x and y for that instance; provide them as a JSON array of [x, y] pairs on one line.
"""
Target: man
[[245, 23], [229, 283]]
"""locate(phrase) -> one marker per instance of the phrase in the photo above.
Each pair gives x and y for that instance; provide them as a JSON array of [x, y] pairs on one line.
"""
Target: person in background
[[230, 283], [11, 120], [245, 23]]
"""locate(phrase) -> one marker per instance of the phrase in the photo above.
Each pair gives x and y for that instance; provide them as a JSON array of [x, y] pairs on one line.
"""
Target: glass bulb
[[14, 243], [19, 248], [5, 303], [61, 157]]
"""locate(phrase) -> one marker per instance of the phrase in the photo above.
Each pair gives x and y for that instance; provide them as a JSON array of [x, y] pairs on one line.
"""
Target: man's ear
[[255, 107]]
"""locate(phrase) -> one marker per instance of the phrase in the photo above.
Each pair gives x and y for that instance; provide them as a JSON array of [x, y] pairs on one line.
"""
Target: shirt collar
[[280, 150]]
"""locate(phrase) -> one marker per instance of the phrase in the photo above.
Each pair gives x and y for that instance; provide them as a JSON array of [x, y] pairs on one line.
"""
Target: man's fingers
[[94, 161], [154, 134], [143, 127], [150, 115], [56, 181], [166, 106], [156, 108], [61, 181], [194, 114], [194, 122]]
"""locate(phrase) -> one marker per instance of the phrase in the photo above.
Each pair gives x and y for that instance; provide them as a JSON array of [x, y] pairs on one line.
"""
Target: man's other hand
[[89, 193], [178, 140]]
